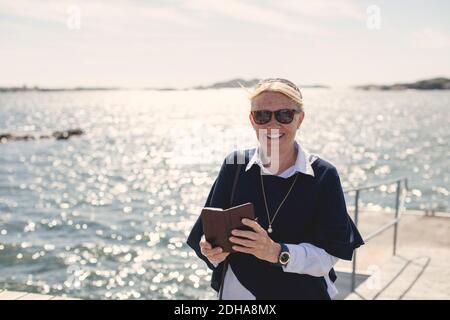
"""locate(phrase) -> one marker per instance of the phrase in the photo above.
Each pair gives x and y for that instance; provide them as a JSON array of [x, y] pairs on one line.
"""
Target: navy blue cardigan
[[315, 212]]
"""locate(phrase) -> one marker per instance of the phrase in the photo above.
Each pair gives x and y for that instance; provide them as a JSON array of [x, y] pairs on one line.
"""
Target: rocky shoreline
[[429, 84]]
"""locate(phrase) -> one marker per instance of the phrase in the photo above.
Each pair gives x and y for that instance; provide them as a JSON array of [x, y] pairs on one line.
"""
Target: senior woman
[[303, 227]]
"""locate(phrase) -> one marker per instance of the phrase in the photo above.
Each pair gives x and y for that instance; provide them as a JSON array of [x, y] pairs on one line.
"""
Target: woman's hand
[[214, 255], [257, 243]]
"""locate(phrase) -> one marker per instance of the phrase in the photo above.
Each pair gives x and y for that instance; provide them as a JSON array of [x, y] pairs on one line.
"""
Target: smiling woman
[[303, 226], [278, 98]]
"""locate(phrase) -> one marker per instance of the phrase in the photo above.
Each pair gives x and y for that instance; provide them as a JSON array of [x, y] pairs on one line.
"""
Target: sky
[[176, 43]]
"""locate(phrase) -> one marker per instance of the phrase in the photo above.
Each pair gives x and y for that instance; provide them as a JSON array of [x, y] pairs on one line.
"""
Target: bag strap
[[233, 190], [225, 265]]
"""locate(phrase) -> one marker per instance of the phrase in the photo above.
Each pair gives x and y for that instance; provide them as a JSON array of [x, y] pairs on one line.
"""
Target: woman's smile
[[274, 136]]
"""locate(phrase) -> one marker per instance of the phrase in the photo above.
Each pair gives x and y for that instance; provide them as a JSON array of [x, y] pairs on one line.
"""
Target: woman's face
[[285, 136]]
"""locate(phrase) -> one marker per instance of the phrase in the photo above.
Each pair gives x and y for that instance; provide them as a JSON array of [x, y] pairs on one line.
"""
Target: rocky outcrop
[[236, 83], [430, 84], [58, 135]]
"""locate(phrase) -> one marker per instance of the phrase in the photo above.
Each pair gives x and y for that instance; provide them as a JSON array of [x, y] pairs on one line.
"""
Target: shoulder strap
[[235, 180], [225, 266]]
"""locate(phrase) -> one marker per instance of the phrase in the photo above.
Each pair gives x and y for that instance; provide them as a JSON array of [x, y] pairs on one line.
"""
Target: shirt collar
[[302, 163]]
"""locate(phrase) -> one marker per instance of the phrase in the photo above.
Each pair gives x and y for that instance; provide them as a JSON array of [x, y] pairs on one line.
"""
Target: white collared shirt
[[302, 163], [305, 258]]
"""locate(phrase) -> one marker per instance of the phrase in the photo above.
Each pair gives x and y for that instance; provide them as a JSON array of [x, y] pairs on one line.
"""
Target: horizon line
[[200, 87]]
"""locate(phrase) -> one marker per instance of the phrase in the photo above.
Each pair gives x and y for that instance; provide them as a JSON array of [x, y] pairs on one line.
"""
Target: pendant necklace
[[270, 229]]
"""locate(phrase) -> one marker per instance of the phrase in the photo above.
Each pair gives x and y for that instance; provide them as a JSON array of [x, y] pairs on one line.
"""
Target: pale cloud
[[430, 38], [48, 11], [125, 17], [252, 12], [346, 9], [100, 14]]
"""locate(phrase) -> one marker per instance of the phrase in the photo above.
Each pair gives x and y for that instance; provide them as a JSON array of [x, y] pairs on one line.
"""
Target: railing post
[[354, 252], [397, 209]]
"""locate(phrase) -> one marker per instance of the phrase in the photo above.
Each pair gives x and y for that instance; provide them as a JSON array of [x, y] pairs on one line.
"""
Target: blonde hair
[[283, 86]]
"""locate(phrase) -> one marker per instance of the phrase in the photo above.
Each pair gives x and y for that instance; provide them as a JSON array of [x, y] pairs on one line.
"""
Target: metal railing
[[394, 223]]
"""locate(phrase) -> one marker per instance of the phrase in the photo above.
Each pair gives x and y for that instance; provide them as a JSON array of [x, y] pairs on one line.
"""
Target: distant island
[[161, 89], [233, 83], [429, 84], [39, 89], [236, 83]]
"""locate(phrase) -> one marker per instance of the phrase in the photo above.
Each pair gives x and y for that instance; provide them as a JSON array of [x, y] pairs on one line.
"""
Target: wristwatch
[[283, 258]]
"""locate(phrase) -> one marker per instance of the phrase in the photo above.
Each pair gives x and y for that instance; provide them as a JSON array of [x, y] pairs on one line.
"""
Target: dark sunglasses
[[284, 116]]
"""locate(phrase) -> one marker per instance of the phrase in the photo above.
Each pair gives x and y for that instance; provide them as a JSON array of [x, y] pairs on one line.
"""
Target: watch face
[[284, 257]]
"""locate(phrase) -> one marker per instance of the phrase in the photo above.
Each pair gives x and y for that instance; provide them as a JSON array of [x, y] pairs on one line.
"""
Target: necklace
[[270, 230]]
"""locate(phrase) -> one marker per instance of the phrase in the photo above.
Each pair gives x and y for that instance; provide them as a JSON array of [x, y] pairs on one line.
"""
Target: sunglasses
[[284, 116]]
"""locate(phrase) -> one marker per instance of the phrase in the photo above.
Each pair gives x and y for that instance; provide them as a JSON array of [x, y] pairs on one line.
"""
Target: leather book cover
[[218, 224]]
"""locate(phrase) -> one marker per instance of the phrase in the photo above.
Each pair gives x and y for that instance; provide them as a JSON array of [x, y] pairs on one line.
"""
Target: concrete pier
[[419, 270]]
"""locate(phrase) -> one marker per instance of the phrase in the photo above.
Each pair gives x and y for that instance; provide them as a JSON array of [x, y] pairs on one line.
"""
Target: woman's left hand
[[257, 243]]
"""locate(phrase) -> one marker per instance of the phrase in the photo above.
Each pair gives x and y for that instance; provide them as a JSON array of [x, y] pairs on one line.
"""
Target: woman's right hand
[[214, 255]]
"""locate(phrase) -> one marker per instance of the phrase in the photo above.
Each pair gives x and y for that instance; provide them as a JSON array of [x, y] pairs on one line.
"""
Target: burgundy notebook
[[218, 223]]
